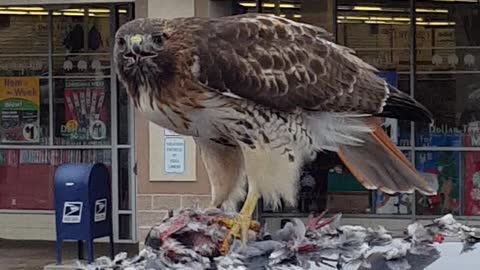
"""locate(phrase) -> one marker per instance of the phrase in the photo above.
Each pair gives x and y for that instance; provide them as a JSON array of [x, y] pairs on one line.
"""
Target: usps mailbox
[[83, 206]]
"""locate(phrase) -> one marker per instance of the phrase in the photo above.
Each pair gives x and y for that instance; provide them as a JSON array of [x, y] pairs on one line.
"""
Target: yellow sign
[[23, 88], [19, 109]]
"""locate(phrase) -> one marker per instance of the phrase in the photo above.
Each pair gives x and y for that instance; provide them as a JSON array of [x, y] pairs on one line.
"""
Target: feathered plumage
[[262, 95]]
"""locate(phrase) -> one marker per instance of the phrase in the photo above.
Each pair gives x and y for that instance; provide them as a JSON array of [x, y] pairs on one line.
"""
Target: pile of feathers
[[191, 239]]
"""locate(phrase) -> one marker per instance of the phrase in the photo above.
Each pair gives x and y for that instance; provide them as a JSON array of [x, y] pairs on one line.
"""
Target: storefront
[[76, 111], [60, 102]]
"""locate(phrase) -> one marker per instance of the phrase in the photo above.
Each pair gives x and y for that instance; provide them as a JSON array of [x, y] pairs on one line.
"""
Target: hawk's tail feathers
[[379, 164]]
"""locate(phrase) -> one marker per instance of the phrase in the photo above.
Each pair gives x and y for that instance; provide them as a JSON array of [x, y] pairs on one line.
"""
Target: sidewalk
[[34, 255]]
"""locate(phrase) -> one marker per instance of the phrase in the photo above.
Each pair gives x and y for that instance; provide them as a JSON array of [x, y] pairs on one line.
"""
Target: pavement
[[35, 255]]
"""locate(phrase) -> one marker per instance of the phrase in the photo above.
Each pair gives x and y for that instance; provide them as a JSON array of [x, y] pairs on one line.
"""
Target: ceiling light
[[247, 4], [405, 19], [56, 13], [365, 8], [297, 16], [74, 10], [99, 10], [266, 5], [287, 6], [390, 9], [38, 13], [346, 21], [272, 5], [385, 22], [381, 18], [357, 18], [73, 14], [375, 22], [429, 10], [364, 18], [468, 1], [13, 12], [436, 23], [25, 8], [122, 11]]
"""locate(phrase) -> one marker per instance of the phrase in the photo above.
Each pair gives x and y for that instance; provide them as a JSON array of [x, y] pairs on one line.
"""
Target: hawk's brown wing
[[286, 65]]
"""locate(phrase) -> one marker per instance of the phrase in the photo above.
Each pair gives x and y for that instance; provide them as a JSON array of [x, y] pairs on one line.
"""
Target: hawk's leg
[[242, 223]]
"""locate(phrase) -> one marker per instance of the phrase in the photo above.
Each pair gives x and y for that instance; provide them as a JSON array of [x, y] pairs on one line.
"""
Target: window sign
[[174, 155], [19, 109], [84, 110]]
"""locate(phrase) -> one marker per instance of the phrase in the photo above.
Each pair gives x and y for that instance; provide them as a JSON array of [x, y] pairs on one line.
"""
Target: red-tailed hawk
[[261, 95]]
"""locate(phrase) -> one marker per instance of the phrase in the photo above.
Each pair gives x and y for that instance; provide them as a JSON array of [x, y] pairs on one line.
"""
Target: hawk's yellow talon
[[239, 229], [241, 224]]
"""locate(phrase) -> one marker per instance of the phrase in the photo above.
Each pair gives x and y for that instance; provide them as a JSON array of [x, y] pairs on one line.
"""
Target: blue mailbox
[[83, 206]]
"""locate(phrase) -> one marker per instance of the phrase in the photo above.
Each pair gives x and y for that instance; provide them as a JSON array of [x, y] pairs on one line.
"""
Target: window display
[[27, 175], [25, 33], [453, 101], [471, 193], [443, 170]]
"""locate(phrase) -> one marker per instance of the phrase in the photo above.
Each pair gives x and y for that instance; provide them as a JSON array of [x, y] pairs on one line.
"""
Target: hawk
[[262, 95]]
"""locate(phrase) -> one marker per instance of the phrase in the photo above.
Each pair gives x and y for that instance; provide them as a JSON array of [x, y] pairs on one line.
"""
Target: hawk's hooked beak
[[138, 49], [136, 43]]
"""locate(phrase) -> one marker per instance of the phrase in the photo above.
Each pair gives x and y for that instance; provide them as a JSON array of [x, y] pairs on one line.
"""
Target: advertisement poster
[[85, 108], [19, 109], [444, 168]]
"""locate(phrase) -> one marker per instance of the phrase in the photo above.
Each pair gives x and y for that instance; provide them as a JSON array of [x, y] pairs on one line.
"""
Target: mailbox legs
[[90, 250], [59, 251], [80, 249], [112, 254]]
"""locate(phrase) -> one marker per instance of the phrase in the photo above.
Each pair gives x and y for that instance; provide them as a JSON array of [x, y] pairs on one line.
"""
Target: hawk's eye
[[158, 38], [121, 43]]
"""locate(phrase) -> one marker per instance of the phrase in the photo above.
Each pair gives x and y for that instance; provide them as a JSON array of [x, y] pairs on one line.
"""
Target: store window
[[60, 102], [379, 32], [26, 175], [448, 74]]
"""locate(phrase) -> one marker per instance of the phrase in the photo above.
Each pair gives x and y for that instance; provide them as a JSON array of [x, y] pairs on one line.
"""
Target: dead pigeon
[[191, 238]]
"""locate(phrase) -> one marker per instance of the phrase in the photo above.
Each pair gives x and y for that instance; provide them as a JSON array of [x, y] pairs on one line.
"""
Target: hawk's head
[[142, 55]]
